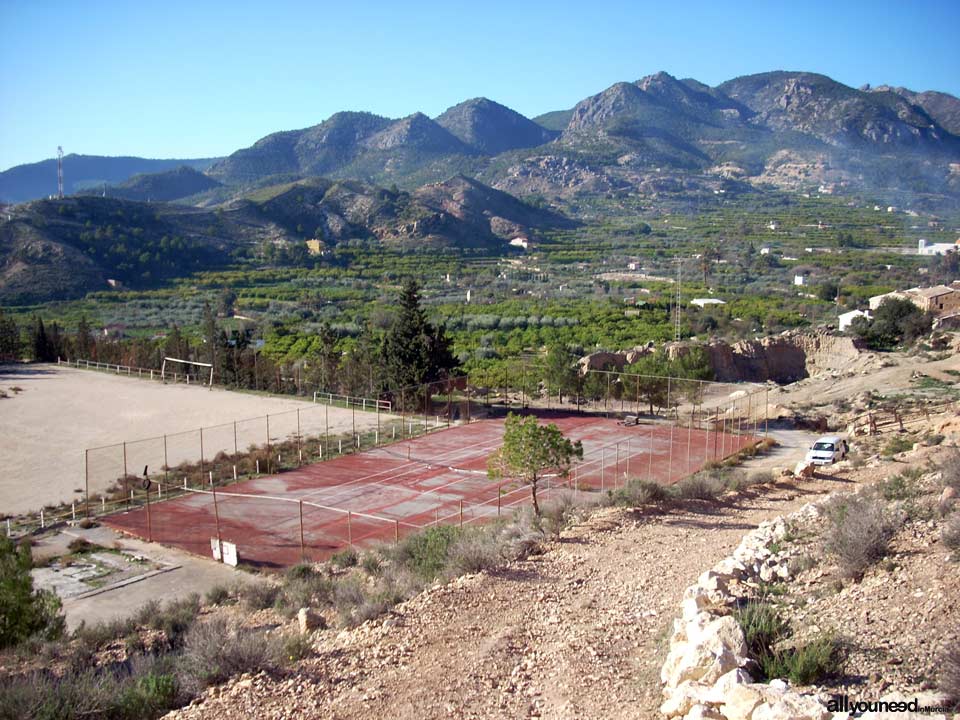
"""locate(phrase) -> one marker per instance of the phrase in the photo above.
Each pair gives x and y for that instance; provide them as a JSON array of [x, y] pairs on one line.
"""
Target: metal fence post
[[201, 455], [86, 482], [303, 551]]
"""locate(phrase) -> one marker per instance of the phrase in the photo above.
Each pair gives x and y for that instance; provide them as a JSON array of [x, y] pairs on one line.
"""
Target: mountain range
[[480, 173], [771, 128]]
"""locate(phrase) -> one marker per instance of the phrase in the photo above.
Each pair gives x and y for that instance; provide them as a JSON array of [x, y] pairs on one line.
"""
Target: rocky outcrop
[[783, 359]]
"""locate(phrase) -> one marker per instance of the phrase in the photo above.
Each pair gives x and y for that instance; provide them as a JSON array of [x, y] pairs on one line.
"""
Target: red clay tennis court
[[383, 494]]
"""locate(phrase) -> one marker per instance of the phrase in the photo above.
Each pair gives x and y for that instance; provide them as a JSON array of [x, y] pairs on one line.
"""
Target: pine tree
[[84, 341], [39, 342], [414, 352], [11, 345]]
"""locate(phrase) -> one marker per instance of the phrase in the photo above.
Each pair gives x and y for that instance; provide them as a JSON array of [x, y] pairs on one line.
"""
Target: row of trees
[[35, 341]]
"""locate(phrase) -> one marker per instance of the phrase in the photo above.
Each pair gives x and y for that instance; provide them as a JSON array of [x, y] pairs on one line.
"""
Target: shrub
[[23, 610], [475, 551], [218, 595], [899, 487], [142, 688], [300, 571], [304, 592], [557, 514], [639, 492], [950, 533], [296, 646], [81, 545], [762, 627], [213, 652], [259, 595], [345, 558], [804, 664], [950, 470], [372, 563], [896, 445], [425, 553], [701, 486], [949, 680], [858, 533], [176, 618]]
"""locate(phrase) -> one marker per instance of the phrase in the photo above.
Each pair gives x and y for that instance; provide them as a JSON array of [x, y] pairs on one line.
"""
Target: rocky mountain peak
[[490, 128]]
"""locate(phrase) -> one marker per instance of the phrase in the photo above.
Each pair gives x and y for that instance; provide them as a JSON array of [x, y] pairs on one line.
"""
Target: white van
[[828, 449]]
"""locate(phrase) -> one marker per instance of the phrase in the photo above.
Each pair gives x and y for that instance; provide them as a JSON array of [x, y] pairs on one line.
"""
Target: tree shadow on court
[[21, 371]]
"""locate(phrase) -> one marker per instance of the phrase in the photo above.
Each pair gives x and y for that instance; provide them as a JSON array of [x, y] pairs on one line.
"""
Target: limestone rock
[[792, 706], [309, 620], [741, 701]]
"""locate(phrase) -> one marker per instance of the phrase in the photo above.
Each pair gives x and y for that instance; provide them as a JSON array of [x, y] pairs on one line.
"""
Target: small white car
[[828, 449]]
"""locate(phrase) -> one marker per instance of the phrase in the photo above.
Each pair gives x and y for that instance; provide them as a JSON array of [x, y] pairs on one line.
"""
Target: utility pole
[[59, 172], [676, 327]]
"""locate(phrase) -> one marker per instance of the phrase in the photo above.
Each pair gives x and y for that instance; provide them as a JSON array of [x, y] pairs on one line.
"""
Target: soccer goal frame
[[163, 368]]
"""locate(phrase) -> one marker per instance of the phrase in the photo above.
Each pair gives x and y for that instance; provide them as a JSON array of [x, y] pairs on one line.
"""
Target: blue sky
[[204, 78]]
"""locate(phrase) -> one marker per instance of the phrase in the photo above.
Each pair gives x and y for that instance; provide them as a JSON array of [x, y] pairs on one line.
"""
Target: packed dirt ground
[[50, 414]]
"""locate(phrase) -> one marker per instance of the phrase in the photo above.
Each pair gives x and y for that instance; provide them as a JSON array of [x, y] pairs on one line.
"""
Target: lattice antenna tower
[[59, 172]]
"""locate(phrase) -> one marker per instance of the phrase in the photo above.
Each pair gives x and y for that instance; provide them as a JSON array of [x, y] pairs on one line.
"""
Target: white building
[[764, 251], [925, 248], [703, 302], [846, 319], [520, 242], [799, 280]]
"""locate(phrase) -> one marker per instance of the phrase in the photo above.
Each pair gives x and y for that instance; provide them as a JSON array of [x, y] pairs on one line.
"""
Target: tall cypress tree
[[414, 351]]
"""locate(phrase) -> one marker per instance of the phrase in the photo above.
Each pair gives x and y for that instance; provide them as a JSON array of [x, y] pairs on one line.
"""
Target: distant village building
[[799, 280], [703, 302], [520, 242], [764, 251], [846, 319], [315, 247], [941, 300], [925, 248]]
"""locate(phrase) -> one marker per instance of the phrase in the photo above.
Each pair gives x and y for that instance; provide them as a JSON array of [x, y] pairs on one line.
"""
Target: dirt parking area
[[53, 413]]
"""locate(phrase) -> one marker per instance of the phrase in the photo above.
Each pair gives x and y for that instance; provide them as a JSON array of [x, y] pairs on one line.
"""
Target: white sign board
[[230, 554], [215, 548]]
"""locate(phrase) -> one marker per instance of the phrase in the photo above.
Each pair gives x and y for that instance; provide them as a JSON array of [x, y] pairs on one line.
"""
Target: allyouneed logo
[[843, 703]]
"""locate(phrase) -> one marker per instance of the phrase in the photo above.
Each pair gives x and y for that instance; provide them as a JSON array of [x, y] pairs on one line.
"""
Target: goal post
[[163, 368]]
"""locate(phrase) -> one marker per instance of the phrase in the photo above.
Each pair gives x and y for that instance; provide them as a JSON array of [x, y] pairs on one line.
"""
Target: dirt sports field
[[58, 412]]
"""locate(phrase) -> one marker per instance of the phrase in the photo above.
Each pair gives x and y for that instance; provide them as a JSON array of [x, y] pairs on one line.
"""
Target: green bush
[[345, 558], [899, 487], [805, 664], [896, 445], [300, 571], [762, 626], [425, 553], [24, 611]]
